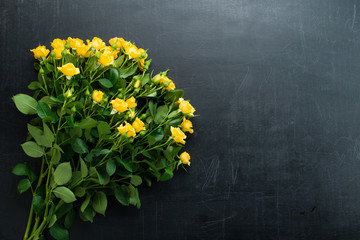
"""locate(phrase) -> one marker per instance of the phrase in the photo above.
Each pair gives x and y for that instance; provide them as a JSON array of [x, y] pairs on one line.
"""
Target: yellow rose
[[120, 42], [165, 79], [69, 70], [141, 51], [96, 43], [141, 64], [127, 128], [119, 105], [106, 59], [75, 42], [138, 125], [177, 135], [157, 78], [131, 102], [83, 50], [110, 51], [137, 84], [57, 52], [132, 51], [132, 114], [97, 95], [58, 43], [186, 125], [186, 107], [185, 157], [40, 51]]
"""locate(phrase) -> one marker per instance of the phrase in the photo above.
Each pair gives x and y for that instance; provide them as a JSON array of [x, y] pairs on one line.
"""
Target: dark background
[[276, 150]]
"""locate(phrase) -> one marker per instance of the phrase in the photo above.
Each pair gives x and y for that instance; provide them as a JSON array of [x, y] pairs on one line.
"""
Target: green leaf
[[59, 232], [38, 204], [134, 196], [151, 107], [52, 221], [113, 75], [161, 114], [119, 61], [105, 83], [156, 136], [32, 149], [88, 214], [65, 208], [63, 173], [110, 167], [69, 59], [90, 63], [56, 156], [34, 85], [80, 192], [22, 169], [36, 133], [99, 202], [145, 79], [87, 123], [167, 175], [44, 112], [125, 163], [136, 180], [85, 203], [65, 194], [48, 135], [79, 146], [23, 185], [103, 128], [173, 95], [70, 219], [124, 73], [25, 104], [83, 168], [122, 194]]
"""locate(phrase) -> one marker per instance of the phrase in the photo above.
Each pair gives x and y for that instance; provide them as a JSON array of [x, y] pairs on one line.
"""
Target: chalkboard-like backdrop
[[276, 151]]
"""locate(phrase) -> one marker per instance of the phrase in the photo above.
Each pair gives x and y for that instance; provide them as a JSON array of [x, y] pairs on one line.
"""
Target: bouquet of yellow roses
[[102, 126]]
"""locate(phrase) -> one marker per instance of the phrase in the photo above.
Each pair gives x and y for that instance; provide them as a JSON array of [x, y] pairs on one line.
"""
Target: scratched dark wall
[[276, 151]]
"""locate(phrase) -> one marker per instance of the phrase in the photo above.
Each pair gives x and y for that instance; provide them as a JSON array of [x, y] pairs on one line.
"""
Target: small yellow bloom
[[69, 70], [137, 84], [127, 128], [57, 52], [138, 125], [157, 78], [132, 51], [83, 50], [185, 157], [120, 42], [96, 43], [97, 95], [58, 43], [141, 64], [186, 107], [186, 125], [75, 42], [119, 105], [132, 114], [68, 93], [106, 59], [177, 135], [40, 51], [110, 51], [165, 79], [131, 102]]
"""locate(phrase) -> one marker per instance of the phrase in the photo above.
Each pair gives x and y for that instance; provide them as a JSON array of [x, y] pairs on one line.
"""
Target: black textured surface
[[276, 151]]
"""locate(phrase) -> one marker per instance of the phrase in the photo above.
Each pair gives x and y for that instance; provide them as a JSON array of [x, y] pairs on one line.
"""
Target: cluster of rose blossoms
[[106, 56]]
